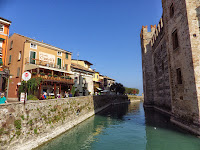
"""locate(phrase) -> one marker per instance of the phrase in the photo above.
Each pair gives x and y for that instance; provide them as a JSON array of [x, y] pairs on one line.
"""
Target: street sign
[[22, 97], [26, 76]]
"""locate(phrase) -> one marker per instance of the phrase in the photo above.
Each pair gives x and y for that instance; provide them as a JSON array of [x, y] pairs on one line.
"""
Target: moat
[[125, 127]]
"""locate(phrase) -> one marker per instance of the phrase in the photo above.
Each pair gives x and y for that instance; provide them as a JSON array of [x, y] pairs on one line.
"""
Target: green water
[[125, 127]]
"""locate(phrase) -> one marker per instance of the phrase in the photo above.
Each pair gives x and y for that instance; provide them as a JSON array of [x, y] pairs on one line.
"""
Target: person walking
[[3, 99], [66, 95]]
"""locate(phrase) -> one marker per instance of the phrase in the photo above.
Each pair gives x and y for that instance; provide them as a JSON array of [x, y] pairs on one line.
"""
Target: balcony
[[36, 63], [58, 79]]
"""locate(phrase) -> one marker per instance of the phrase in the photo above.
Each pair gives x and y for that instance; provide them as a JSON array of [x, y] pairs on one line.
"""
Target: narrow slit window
[[179, 76], [175, 40], [172, 10]]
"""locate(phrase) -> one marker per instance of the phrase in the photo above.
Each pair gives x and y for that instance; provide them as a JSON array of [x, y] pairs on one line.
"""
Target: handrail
[[44, 63]]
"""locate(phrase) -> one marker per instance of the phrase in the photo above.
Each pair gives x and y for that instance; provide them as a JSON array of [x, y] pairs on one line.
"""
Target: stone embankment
[[28, 126]]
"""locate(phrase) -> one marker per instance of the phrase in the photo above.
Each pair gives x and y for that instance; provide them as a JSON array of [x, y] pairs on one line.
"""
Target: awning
[[99, 89], [1, 39], [105, 91]]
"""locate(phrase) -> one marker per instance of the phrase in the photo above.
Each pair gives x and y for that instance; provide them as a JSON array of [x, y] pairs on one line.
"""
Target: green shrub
[[18, 124], [32, 97], [42, 73], [35, 131], [50, 75], [34, 73], [55, 75]]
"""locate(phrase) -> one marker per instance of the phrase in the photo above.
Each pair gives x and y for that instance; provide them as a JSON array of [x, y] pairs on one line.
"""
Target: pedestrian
[[66, 95], [44, 95], [70, 95], [41, 97], [3, 99]]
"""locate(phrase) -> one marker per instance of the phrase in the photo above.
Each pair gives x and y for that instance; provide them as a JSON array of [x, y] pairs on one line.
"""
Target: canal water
[[125, 127]]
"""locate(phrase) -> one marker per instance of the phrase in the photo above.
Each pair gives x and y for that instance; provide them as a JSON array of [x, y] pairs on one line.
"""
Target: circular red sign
[[26, 75]]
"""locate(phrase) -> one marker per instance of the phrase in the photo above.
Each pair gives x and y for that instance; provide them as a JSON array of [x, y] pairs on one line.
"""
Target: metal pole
[[25, 97]]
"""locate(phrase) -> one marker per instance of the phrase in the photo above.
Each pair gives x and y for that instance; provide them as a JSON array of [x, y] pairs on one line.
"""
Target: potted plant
[[62, 77], [55, 76], [42, 74], [34, 73], [49, 75]]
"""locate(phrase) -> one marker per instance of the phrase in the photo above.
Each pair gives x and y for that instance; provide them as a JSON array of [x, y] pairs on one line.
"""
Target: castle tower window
[[156, 70], [179, 76], [163, 67], [175, 40], [172, 10]]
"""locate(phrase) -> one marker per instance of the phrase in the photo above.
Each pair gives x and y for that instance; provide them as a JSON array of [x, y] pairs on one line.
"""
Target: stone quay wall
[[30, 125]]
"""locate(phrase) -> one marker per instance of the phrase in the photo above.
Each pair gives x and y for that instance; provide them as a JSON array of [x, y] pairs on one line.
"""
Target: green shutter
[[59, 62], [10, 59], [1, 62], [32, 57], [66, 55], [18, 71]]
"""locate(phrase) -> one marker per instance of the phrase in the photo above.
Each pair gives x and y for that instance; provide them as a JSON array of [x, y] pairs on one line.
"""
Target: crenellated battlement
[[158, 34]]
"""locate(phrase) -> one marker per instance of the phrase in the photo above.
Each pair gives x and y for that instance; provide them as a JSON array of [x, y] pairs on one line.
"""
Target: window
[[59, 53], [163, 67], [66, 56], [34, 46], [32, 57], [1, 27], [97, 76], [9, 60], [156, 70], [18, 71], [175, 40], [172, 10], [11, 45], [66, 67], [179, 76], [20, 55], [59, 63]]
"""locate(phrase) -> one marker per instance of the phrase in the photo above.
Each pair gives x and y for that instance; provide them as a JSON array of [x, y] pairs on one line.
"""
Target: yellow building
[[50, 63], [96, 80], [83, 63]]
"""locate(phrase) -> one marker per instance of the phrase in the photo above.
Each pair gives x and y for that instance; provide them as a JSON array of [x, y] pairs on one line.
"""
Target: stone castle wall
[[26, 127], [182, 100]]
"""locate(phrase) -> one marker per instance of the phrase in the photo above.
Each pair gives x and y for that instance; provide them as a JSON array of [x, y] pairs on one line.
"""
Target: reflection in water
[[124, 127]]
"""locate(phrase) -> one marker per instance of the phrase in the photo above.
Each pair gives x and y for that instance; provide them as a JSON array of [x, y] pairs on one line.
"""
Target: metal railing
[[44, 63], [53, 78]]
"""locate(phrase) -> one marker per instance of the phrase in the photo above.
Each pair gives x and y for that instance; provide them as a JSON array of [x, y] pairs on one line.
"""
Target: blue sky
[[104, 32]]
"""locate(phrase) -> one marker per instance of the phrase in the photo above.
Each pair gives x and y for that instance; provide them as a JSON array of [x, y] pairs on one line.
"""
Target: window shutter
[[66, 56]]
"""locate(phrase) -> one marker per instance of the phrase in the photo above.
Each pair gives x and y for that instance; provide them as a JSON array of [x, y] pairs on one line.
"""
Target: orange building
[[4, 34]]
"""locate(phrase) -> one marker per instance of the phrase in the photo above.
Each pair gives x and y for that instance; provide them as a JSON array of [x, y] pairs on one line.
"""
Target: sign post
[[26, 76]]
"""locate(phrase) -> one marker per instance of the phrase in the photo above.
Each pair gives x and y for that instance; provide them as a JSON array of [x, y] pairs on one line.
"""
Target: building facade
[[83, 79], [170, 62], [4, 34], [50, 63]]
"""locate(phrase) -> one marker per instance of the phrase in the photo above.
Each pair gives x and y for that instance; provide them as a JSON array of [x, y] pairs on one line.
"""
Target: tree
[[133, 91], [117, 88], [32, 86]]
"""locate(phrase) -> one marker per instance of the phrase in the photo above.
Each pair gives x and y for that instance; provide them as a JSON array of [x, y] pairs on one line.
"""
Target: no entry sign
[[26, 76]]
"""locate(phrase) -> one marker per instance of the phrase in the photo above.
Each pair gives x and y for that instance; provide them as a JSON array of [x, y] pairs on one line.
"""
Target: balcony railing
[[44, 63], [54, 79]]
